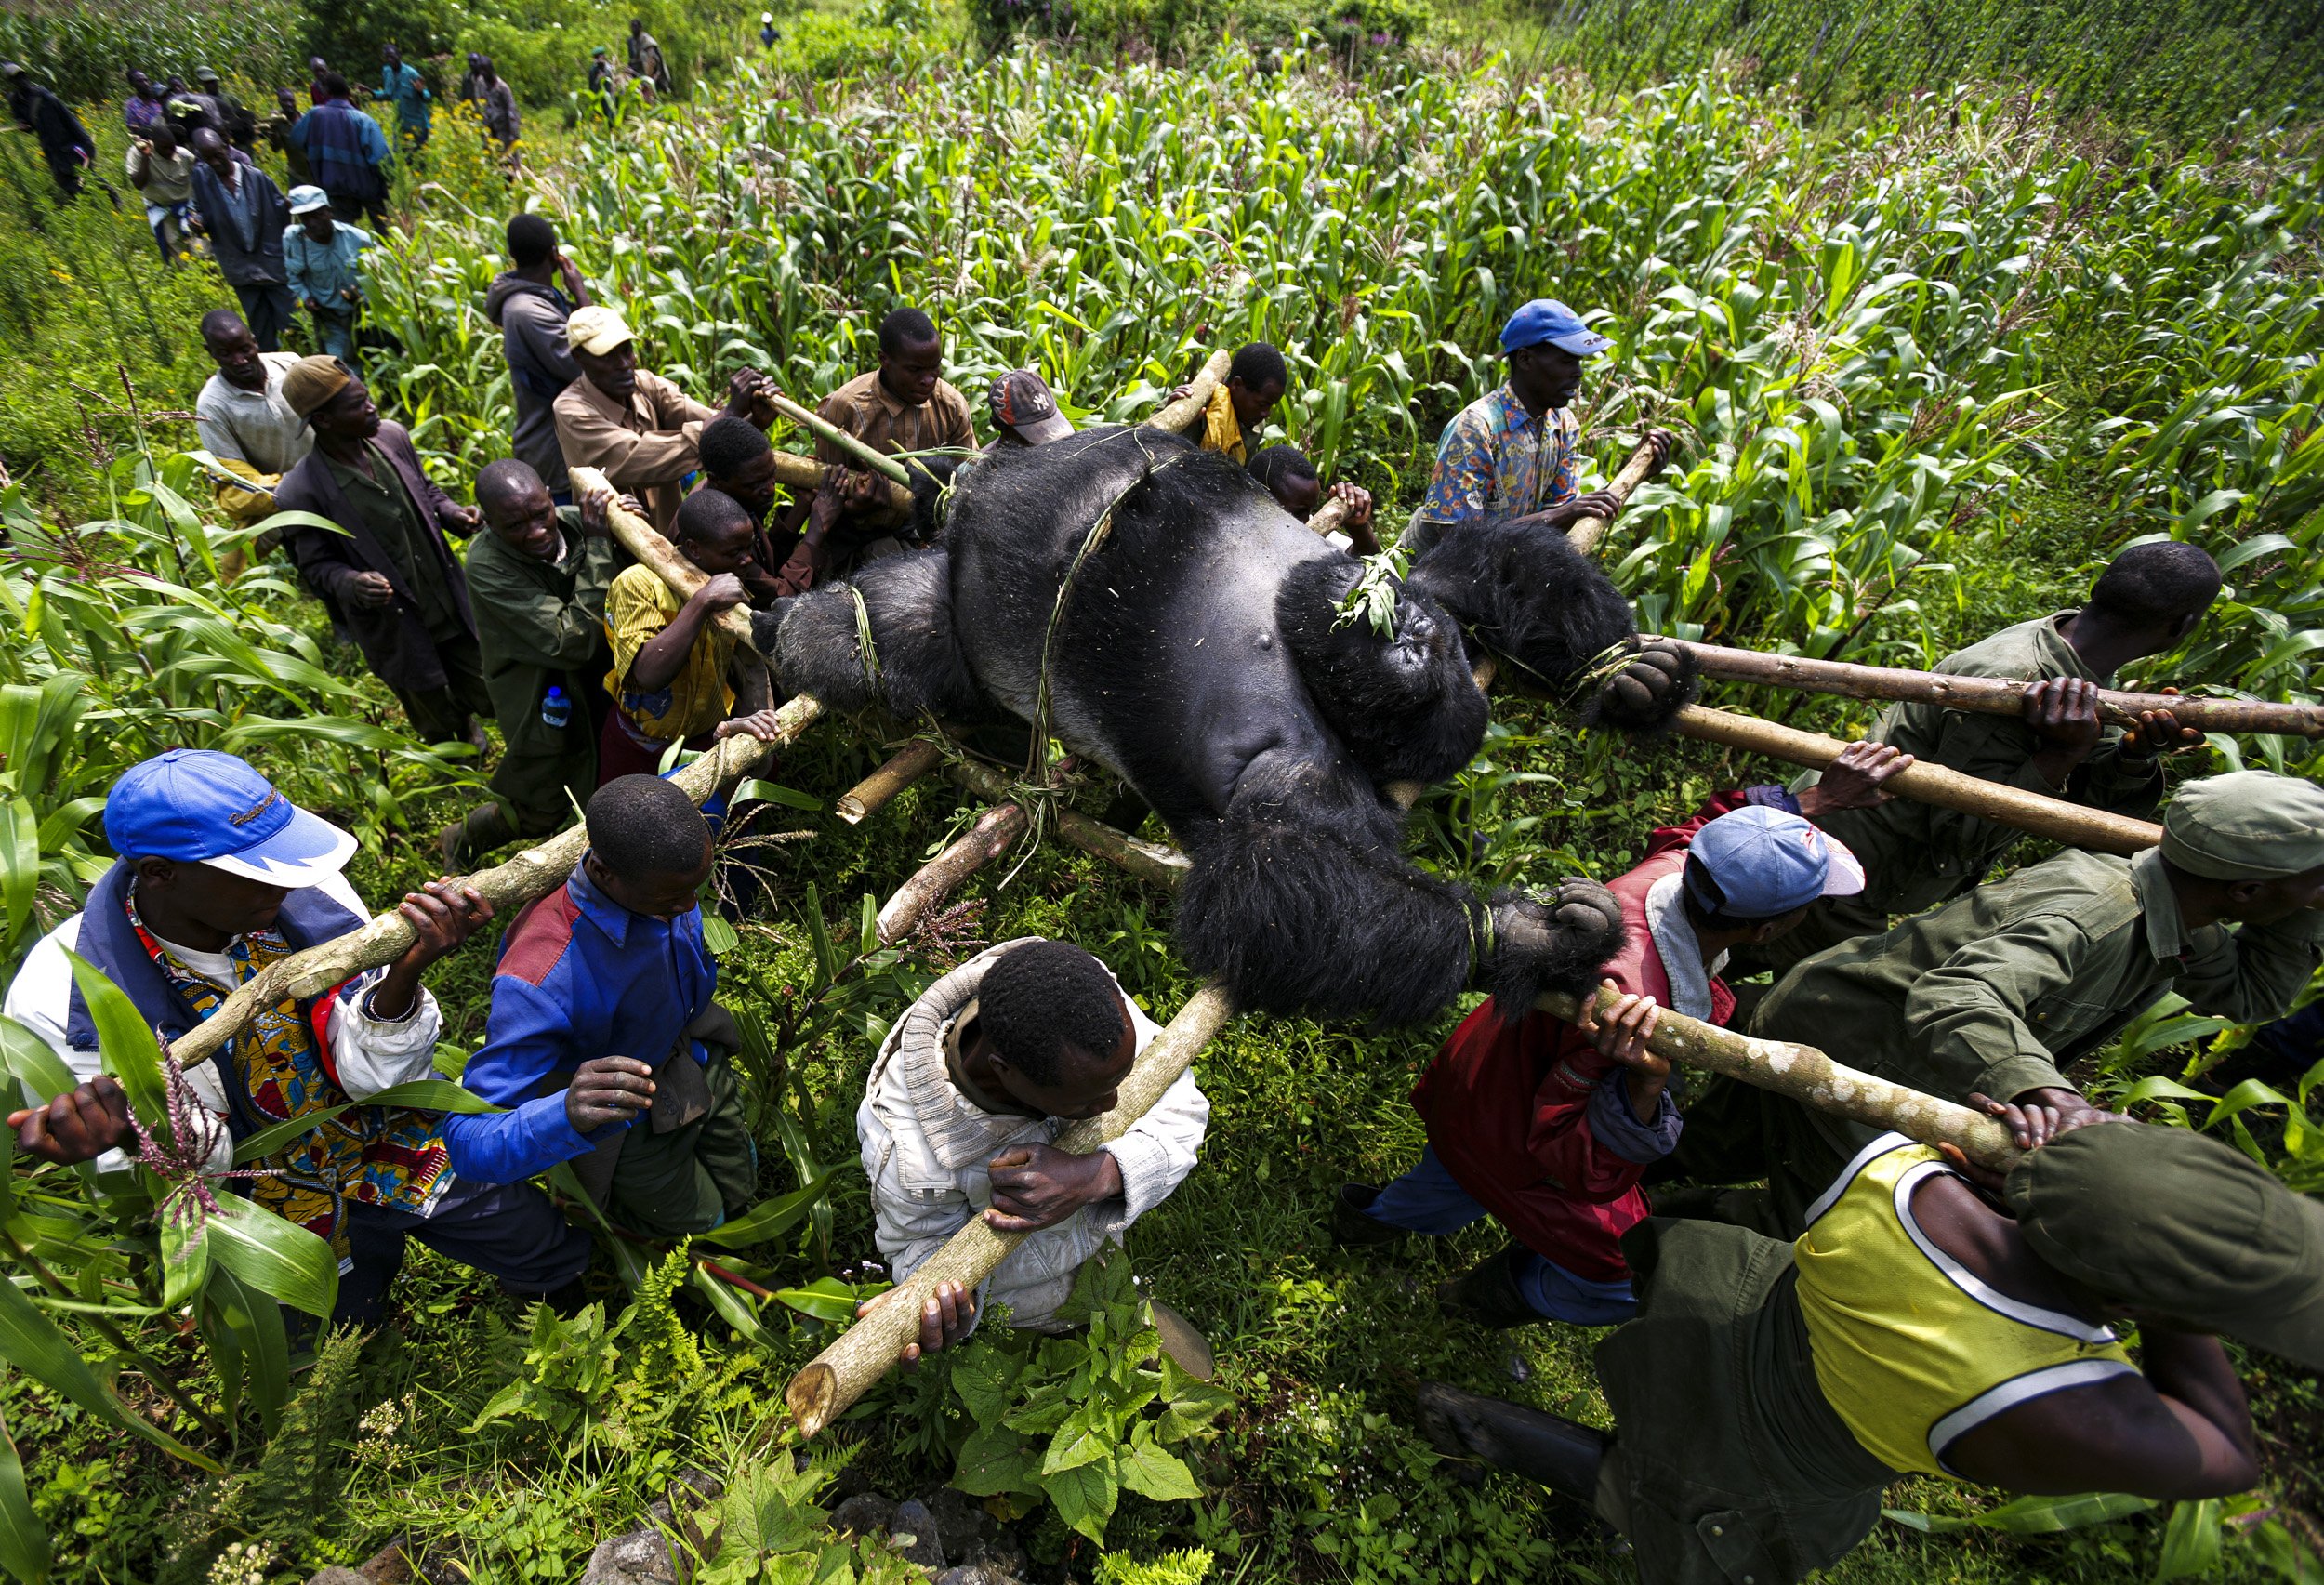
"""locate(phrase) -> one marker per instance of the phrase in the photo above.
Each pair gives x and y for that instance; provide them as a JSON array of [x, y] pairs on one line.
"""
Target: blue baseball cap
[[198, 806], [1763, 862], [1545, 319]]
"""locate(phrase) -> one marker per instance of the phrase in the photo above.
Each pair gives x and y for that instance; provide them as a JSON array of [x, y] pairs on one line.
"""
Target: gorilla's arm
[[912, 663], [1524, 594]]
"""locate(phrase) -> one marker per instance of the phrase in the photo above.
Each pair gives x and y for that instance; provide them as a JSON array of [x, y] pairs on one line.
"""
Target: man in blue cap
[[219, 876], [1550, 1126], [1509, 455]]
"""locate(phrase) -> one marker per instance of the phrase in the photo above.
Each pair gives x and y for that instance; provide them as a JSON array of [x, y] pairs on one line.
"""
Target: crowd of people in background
[[1775, 1361]]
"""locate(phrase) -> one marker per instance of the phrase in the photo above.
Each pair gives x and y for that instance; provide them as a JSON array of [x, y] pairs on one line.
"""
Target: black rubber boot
[[1488, 1295], [1557, 1453], [1352, 1224]]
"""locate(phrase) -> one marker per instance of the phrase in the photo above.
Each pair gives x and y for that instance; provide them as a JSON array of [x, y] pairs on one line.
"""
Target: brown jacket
[[864, 409], [644, 448]]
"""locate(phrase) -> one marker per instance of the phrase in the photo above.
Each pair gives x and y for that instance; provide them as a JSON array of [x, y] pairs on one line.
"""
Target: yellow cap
[[596, 330]]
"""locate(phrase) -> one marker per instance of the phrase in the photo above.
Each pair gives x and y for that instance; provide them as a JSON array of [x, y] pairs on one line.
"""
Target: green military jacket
[[2002, 990], [1916, 856], [541, 624]]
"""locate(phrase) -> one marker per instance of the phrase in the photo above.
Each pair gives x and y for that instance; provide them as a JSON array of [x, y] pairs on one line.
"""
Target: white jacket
[[371, 1054], [925, 1149]]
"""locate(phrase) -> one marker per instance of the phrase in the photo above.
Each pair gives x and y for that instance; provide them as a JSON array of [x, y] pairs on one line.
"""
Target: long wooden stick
[[804, 474], [507, 887], [1990, 696], [2070, 822], [1808, 1076], [824, 428], [644, 542], [1175, 415], [1585, 532], [867, 1351], [1147, 861], [986, 840], [876, 791]]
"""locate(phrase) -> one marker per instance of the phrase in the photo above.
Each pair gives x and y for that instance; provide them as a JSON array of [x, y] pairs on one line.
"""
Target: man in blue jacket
[[603, 1041], [346, 151]]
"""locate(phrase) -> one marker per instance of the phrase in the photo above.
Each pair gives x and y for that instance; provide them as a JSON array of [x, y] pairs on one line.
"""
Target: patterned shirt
[[1498, 461], [638, 606]]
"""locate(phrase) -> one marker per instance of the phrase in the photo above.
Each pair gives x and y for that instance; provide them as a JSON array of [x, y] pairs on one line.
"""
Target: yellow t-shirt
[[639, 605], [1911, 1347]]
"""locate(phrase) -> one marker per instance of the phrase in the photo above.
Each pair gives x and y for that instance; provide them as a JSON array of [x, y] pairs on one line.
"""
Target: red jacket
[[1507, 1107]]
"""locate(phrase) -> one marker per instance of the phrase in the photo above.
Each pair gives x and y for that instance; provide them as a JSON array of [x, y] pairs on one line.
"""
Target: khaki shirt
[[646, 447], [864, 409], [2000, 992], [1916, 856], [638, 606]]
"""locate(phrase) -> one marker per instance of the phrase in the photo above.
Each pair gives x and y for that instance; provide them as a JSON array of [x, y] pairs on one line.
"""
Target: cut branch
[[876, 791], [1176, 416], [824, 428], [1990, 695], [1584, 534], [842, 1373], [644, 542], [2070, 822], [1147, 861], [804, 474], [1328, 519], [1809, 1076], [507, 887], [986, 840]]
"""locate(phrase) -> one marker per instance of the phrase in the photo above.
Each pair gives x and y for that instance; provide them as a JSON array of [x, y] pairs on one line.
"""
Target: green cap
[[2165, 1220], [2247, 826]]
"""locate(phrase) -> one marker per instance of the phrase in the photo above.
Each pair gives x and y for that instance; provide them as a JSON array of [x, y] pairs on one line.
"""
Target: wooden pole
[[1147, 861], [2068, 823], [1990, 696], [1808, 1076], [867, 1351], [804, 474], [1584, 534], [507, 887], [1175, 416], [824, 428], [644, 542], [876, 791], [985, 842], [1327, 517]]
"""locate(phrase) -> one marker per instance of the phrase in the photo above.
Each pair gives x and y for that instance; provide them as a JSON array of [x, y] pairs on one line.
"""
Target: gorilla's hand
[[1659, 681], [1556, 942]]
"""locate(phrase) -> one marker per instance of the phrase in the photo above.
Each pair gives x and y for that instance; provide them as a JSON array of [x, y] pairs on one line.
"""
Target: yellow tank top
[[1910, 1347]]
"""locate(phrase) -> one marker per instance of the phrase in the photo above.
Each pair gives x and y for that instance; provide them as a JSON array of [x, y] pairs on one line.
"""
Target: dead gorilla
[[1201, 659]]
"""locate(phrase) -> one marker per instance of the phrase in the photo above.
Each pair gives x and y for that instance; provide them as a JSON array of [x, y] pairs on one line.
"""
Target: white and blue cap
[[198, 806], [1760, 863], [1545, 319]]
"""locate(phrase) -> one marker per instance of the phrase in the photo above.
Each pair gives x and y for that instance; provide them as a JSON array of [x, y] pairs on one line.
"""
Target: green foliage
[[1189, 1567], [282, 1499], [81, 50], [1082, 1418]]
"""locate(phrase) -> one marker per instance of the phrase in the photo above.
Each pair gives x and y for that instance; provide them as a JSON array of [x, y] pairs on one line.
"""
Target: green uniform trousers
[[690, 1180]]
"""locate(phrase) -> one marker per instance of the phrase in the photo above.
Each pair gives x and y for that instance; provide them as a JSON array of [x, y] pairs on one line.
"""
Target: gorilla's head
[[1405, 702]]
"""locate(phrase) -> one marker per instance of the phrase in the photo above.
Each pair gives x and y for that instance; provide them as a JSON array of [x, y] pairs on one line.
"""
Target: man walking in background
[[498, 103], [245, 215], [322, 262], [347, 152], [531, 302], [163, 174], [403, 87], [245, 422], [146, 107], [389, 572]]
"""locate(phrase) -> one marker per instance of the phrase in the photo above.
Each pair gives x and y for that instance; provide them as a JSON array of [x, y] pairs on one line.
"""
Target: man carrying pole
[[2000, 992], [1916, 856]]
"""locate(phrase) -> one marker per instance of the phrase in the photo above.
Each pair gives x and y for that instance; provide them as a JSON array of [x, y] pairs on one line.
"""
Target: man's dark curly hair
[[1038, 998], [643, 825]]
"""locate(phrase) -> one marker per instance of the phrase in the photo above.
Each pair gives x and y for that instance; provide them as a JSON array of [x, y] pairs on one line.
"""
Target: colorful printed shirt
[[638, 605], [1498, 461]]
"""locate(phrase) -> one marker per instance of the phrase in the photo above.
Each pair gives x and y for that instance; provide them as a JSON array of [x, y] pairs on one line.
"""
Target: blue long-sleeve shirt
[[344, 149], [579, 976]]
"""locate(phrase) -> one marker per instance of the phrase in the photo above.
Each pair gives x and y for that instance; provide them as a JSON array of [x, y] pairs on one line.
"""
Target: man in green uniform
[[538, 585], [1996, 995], [1916, 856]]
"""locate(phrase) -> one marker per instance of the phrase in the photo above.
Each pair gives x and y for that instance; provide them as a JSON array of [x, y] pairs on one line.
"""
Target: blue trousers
[[1428, 1199], [510, 1230]]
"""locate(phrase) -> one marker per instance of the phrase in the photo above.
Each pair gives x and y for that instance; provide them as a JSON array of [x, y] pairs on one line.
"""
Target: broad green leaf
[[278, 1258], [185, 1244], [1148, 1470], [751, 788], [1079, 1440], [996, 1460], [826, 1298], [29, 1341], [24, 1539], [127, 1044], [1085, 1495], [20, 862], [981, 1375], [2033, 1515], [729, 1303], [769, 1220], [33, 1064], [2190, 1542]]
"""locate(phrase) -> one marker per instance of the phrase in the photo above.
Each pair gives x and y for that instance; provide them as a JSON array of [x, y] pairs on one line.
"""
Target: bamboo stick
[[985, 842], [1147, 861], [507, 887], [643, 541], [1808, 1076], [876, 791], [867, 1351], [1990, 696], [824, 428], [1585, 532], [1175, 416], [804, 474], [2070, 822]]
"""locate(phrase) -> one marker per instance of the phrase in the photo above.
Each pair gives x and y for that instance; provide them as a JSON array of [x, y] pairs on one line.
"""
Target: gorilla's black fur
[[1200, 656]]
